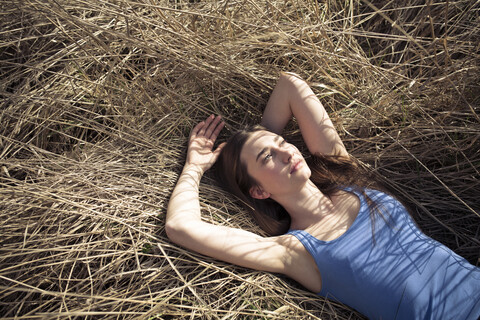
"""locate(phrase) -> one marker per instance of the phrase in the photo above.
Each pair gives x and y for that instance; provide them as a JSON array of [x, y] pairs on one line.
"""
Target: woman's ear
[[257, 192]]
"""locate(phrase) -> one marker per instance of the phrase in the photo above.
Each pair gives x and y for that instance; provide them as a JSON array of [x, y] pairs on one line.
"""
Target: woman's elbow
[[173, 231]]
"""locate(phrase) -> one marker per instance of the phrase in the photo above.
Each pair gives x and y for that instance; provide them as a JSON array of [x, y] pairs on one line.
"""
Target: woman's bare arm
[[293, 96], [185, 227]]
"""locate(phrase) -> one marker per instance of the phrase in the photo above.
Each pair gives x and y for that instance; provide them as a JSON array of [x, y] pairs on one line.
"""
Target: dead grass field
[[98, 98]]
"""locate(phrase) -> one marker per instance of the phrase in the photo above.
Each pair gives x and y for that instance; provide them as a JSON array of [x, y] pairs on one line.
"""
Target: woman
[[355, 245]]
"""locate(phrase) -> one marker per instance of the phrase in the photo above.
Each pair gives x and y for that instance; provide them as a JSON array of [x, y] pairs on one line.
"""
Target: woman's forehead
[[256, 142]]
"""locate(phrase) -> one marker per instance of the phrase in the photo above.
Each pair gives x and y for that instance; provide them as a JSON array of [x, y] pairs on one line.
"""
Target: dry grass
[[98, 97]]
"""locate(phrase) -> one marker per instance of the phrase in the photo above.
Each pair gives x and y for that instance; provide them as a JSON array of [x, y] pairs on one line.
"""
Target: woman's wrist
[[194, 170]]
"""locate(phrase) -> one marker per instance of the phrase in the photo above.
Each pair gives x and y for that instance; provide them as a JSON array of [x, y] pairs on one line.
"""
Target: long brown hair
[[329, 173]]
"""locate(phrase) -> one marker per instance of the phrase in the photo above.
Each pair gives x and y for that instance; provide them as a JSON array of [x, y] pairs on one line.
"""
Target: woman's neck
[[306, 207]]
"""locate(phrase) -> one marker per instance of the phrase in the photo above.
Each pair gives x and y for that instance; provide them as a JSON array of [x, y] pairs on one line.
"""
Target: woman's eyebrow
[[277, 137], [260, 153]]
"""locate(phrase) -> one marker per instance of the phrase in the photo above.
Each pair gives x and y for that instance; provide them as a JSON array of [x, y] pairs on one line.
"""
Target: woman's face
[[276, 165]]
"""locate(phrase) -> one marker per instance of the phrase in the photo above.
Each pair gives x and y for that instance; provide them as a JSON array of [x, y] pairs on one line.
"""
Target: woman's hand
[[200, 154]]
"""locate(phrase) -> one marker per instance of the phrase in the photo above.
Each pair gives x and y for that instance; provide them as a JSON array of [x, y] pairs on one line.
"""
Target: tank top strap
[[306, 239], [356, 191]]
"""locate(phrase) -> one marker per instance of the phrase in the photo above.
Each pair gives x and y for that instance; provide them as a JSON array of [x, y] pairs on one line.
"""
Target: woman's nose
[[287, 154]]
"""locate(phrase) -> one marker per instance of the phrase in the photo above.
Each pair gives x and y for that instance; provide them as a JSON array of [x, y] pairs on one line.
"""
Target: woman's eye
[[268, 156], [283, 142]]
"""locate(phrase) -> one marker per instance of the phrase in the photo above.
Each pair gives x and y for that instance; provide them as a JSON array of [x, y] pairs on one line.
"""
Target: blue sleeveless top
[[399, 273]]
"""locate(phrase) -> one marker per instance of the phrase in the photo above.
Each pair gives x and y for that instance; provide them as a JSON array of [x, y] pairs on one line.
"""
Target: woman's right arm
[[185, 227], [293, 96]]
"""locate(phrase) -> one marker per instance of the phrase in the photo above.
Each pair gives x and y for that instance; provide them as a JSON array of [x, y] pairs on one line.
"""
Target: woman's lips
[[296, 166]]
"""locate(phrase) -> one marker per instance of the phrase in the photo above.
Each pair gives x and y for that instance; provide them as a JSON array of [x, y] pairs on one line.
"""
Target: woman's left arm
[[293, 96]]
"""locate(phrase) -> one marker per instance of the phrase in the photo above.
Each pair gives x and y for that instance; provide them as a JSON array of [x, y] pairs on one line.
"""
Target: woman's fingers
[[214, 128], [210, 128], [207, 122], [217, 130], [202, 139], [219, 149]]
